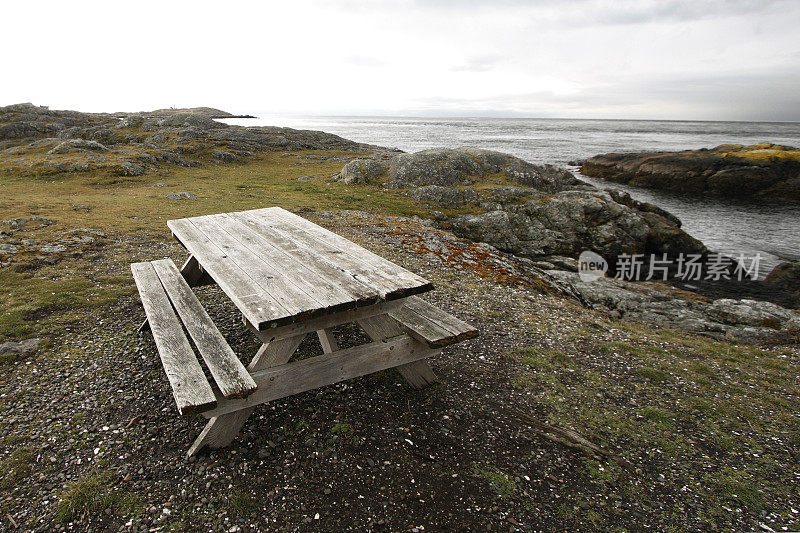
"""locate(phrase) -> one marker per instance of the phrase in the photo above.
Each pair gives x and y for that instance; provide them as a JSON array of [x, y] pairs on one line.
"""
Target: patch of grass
[[29, 301], [16, 466], [90, 494], [658, 414], [540, 359], [501, 483], [241, 503], [761, 152], [130, 504], [341, 428], [731, 485], [653, 374]]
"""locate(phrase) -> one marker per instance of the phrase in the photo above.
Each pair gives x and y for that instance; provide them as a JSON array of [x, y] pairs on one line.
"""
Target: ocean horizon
[[724, 225]]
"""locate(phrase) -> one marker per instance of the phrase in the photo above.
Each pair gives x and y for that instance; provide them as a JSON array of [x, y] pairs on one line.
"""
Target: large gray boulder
[[569, 222], [444, 196], [447, 166], [785, 277], [10, 349], [359, 171]]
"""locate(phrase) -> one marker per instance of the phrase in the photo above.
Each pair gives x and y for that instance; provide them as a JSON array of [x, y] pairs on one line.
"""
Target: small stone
[[8, 249], [181, 196], [15, 223], [53, 249]]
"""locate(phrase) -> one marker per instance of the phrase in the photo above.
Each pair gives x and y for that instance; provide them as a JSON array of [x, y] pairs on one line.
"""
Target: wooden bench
[[429, 324], [171, 306]]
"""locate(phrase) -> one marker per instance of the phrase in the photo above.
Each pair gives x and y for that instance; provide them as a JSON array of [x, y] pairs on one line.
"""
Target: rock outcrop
[[662, 305], [360, 171], [761, 172], [137, 143], [446, 167], [786, 278], [535, 211], [444, 196], [572, 221]]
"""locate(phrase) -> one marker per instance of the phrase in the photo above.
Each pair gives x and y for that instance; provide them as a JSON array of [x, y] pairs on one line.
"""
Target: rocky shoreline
[[762, 172]]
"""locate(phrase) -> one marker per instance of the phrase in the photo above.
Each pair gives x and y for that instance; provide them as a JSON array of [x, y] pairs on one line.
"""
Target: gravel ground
[[96, 415]]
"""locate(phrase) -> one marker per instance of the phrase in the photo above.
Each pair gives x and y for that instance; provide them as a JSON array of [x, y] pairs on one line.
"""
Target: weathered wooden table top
[[279, 268]]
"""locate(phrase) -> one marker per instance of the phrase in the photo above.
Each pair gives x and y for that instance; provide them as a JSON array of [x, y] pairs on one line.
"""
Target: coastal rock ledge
[[541, 212], [761, 172]]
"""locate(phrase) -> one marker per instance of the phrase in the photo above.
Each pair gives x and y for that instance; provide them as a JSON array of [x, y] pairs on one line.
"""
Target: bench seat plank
[[190, 387], [230, 375], [429, 324]]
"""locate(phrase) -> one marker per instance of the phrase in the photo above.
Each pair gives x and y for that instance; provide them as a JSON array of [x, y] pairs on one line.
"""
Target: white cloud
[[662, 59]]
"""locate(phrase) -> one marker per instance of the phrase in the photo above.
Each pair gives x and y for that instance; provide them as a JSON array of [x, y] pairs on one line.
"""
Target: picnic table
[[288, 277]]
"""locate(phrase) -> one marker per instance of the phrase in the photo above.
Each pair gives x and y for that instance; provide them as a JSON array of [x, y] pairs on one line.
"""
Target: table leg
[[327, 340], [418, 374], [221, 430]]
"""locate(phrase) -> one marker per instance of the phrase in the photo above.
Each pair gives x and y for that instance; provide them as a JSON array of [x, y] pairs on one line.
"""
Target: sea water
[[724, 225]]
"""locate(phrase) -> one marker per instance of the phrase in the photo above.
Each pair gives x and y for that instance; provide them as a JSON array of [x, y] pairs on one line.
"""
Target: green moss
[[542, 359], [658, 414], [500, 482], [653, 374], [241, 503], [16, 466], [341, 428], [30, 300], [130, 504], [732, 485]]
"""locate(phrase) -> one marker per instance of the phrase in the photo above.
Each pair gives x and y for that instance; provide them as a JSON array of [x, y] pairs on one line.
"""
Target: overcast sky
[[661, 59]]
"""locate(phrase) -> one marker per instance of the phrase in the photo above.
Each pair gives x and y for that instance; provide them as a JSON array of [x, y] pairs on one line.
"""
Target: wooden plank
[[344, 257], [418, 374], [307, 374], [431, 325], [228, 372], [245, 293], [359, 253], [326, 321], [372, 263], [221, 430], [273, 282], [331, 295], [336, 264], [461, 329], [190, 387], [194, 276], [313, 265]]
